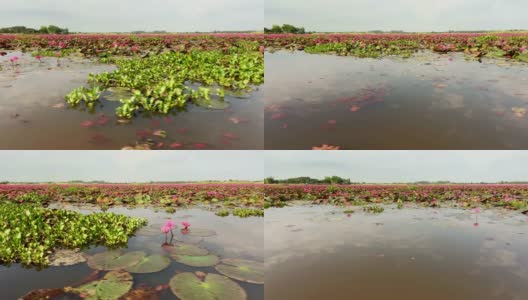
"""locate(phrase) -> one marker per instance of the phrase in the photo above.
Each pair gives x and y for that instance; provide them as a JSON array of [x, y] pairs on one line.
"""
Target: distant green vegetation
[[308, 180], [286, 28], [51, 29]]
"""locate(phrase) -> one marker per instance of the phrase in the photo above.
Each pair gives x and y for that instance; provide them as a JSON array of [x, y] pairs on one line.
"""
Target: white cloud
[[130, 15], [400, 166], [408, 15], [128, 166]]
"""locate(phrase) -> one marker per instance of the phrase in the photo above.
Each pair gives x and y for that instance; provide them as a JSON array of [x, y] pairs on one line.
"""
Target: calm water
[[321, 253], [235, 238], [428, 102], [34, 115]]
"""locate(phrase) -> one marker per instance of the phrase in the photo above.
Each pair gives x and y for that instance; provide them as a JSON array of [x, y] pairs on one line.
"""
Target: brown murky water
[[430, 101], [318, 252], [235, 238], [34, 115]]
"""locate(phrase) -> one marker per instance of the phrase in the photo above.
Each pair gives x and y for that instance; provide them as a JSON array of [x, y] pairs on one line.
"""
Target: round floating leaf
[[150, 264], [187, 249], [117, 93], [212, 103], [66, 257], [187, 286], [201, 232], [115, 260], [197, 260], [242, 269], [112, 286]]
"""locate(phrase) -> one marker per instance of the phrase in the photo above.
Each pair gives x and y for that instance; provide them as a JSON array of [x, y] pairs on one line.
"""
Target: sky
[[133, 15], [130, 166], [407, 15], [400, 166]]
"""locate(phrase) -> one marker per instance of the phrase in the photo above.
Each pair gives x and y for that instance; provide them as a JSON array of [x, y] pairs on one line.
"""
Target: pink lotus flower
[[476, 210], [170, 224], [186, 224], [165, 229], [14, 59], [39, 57]]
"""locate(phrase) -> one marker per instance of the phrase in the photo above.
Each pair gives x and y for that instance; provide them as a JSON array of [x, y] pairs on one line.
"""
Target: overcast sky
[[400, 166], [130, 166], [131, 15], [408, 15]]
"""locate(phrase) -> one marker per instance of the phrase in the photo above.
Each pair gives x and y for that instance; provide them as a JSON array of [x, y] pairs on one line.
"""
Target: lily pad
[[242, 269], [212, 103], [66, 257], [115, 260], [201, 232], [188, 286], [112, 286], [117, 93], [187, 249], [150, 264], [197, 260]]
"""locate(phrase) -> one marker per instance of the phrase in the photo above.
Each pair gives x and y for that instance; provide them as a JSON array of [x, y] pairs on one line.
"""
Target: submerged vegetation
[[29, 233], [476, 45], [509, 196]]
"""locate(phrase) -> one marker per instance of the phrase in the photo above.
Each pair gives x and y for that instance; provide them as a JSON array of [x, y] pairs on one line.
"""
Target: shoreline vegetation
[[372, 196], [476, 45]]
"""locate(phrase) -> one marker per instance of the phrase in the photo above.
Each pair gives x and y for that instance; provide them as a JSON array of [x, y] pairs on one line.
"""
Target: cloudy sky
[[131, 15], [130, 166], [400, 166], [408, 15]]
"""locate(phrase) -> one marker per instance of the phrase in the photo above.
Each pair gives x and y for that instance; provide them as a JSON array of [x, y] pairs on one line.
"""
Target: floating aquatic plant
[[242, 269], [201, 286], [29, 234]]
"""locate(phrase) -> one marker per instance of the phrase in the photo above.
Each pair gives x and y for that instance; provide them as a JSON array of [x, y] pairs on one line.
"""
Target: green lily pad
[[150, 264], [242, 269], [212, 103], [188, 286], [112, 286], [197, 260], [117, 93], [115, 260], [201, 232], [187, 249]]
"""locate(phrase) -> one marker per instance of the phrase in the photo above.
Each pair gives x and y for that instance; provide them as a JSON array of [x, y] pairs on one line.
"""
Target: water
[[34, 115], [318, 252], [431, 101], [235, 238]]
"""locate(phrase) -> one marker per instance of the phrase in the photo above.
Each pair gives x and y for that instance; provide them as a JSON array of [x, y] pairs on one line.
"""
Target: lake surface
[[235, 238], [318, 252], [430, 101], [34, 114]]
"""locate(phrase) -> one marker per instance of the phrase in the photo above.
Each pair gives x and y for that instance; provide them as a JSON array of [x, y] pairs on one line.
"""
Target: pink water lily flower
[[165, 229], [186, 224], [14, 59], [170, 224]]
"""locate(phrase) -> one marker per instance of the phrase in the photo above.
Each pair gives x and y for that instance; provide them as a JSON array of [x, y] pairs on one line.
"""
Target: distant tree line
[[308, 180], [51, 29], [286, 28]]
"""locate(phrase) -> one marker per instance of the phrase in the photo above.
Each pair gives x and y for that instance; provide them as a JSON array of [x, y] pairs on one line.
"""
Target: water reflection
[[431, 101], [399, 254]]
